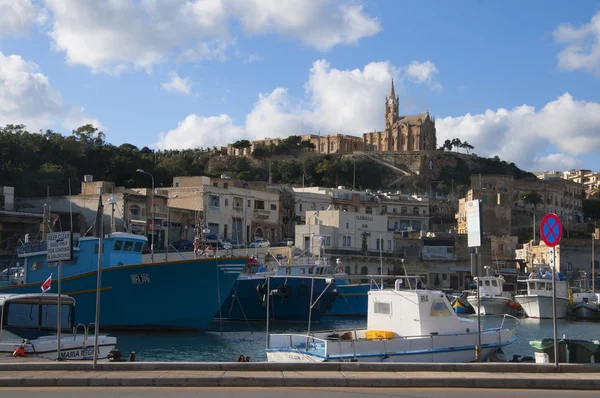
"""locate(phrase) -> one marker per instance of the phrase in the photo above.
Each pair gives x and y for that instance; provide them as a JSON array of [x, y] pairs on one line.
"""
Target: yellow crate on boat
[[379, 334]]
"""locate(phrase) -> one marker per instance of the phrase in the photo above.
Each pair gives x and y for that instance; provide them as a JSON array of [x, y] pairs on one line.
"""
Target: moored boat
[[461, 305], [537, 299], [29, 328], [403, 325], [493, 300], [586, 305], [134, 295], [290, 290]]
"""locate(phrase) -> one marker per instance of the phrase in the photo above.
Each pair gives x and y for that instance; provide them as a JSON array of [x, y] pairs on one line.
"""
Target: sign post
[[551, 233], [474, 240], [59, 249]]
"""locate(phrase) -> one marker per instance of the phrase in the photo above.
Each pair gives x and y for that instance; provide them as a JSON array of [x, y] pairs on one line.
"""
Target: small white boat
[[586, 305], [29, 328], [403, 325], [492, 297], [537, 301]]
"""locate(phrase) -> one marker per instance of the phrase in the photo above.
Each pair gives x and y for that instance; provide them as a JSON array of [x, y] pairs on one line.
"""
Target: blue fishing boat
[[134, 295], [352, 300], [462, 306], [286, 288]]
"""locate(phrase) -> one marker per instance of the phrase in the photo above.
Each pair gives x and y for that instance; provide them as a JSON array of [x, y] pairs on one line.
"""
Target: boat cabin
[[119, 249], [543, 287], [413, 312], [30, 316], [490, 286]]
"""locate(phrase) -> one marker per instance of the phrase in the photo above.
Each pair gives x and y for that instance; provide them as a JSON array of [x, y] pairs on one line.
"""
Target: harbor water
[[225, 342]]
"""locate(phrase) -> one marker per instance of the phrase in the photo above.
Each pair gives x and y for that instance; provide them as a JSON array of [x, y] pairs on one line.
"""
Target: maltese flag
[[47, 284]]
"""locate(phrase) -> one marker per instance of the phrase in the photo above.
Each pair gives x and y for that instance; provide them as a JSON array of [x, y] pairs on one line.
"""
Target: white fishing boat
[[404, 324], [586, 305], [29, 328], [493, 300], [537, 299]]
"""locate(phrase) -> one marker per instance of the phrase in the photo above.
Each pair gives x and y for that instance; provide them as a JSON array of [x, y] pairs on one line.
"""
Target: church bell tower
[[391, 108]]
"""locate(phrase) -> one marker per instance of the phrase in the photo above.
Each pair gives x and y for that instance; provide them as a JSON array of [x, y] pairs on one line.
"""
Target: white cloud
[[26, 97], [322, 24], [522, 134], [76, 117], [581, 46], [253, 58], [424, 73], [555, 162], [199, 131], [115, 36], [16, 17], [345, 101], [177, 84]]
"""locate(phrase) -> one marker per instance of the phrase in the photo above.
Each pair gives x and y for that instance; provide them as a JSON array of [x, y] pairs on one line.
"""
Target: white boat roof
[[33, 298], [116, 235]]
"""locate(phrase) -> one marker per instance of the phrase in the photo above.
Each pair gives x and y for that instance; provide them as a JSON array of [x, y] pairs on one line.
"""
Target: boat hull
[[442, 348], [352, 301], [586, 311], [247, 300], [72, 348], [538, 306], [172, 295], [492, 305]]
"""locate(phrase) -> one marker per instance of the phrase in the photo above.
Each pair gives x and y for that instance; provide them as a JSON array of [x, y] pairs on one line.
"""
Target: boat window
[[382, 308], [118, 245], [439, 308], [495, 283], [23, 315], [288, 270], [128, 246], [49, 316], [302, 271], [310, 270], [138, 247], [487, 283]]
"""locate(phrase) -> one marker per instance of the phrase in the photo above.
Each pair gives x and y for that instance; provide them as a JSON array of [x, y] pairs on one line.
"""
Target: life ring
[[303, 290], [284, 291], [206, 253]]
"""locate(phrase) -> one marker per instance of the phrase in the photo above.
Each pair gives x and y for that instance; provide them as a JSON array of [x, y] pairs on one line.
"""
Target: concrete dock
[[33, 373]]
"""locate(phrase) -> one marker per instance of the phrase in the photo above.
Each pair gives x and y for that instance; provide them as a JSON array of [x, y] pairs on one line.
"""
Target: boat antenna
[[381, 261], [70, 208]]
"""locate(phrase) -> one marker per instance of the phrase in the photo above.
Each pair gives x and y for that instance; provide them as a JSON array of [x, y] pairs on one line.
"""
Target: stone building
[[402, 133], [324, 144]]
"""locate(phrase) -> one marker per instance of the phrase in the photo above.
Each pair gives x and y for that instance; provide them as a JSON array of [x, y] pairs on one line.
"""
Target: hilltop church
[[402, 133]]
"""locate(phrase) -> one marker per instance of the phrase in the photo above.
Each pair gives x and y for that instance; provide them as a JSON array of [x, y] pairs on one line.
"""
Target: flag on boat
[[47, 284]]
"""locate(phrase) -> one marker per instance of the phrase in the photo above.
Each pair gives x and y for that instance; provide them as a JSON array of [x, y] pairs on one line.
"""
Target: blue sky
[[516, 79]]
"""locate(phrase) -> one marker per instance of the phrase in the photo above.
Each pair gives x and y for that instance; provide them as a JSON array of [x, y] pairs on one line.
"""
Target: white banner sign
[[473, 223], [58, 246]]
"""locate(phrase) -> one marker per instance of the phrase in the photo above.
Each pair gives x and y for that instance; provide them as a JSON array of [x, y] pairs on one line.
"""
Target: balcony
[[237, 209], [262, 214]]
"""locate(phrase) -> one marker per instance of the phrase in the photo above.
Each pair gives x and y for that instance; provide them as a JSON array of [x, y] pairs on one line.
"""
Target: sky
[[517, 79]]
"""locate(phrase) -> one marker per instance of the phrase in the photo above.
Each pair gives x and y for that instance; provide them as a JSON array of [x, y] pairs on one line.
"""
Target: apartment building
[[232, 209]]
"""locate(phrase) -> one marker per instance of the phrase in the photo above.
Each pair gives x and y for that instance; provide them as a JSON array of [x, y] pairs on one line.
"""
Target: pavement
[[32, 373]]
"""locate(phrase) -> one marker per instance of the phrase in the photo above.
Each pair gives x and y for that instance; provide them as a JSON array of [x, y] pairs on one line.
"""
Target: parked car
[[237, 244], [183, 245], [260, 242], [11, 274], [283, 243], [212, 239]]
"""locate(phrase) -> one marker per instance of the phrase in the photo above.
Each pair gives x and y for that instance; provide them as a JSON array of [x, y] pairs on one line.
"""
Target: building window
[[347, 225], [347, 270], [225, 185], [395, 225], [135, 210], [377, 243], [415, 211], [249, 201], [369, 210], [345, 208], [300, 207], [403, 210], [273, 207], [328, 240], [389, 245], [259, 204], [213, 200], [215, 184], [344, 241], [226, 202], [349, 242], [393, 209]]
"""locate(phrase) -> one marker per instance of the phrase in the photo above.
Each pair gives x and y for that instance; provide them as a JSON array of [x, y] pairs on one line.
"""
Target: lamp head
[[140, 171]]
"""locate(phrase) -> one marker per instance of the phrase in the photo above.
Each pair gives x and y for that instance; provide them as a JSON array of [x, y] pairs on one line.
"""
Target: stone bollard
[[132, 356]]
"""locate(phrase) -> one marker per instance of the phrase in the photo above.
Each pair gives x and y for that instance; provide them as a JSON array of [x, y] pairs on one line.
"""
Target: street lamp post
[[169, 226], [152, 207]]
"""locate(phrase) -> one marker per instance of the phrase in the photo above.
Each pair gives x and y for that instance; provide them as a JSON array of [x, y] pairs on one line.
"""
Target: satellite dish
[[112, 200]]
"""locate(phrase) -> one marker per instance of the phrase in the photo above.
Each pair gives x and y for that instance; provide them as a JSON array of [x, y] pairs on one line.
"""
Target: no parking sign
[[551, 230]]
